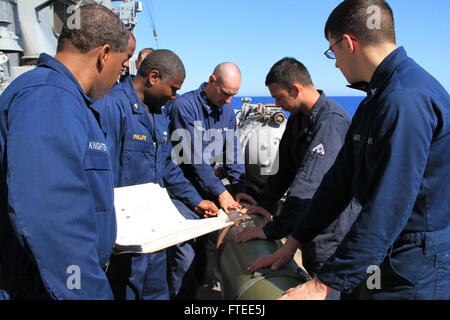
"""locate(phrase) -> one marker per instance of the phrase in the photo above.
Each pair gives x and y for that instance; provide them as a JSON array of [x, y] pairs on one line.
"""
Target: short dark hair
[[288, 71], [98, 26], [355, 17], [167, 63]]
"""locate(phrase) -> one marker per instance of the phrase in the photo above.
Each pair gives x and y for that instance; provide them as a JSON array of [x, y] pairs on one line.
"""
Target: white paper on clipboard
[[148, 221]]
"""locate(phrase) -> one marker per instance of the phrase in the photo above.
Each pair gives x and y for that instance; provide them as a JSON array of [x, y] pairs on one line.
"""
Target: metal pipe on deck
[[234, 258]]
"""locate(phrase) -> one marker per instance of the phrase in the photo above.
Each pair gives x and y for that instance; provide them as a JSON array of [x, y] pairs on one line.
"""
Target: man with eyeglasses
[[395, 161]]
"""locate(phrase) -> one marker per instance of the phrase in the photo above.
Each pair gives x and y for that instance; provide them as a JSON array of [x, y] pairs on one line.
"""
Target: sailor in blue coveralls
[[205, 123], [140, 147], [313, 136], [206, 116], [395, 161], [57, 218]]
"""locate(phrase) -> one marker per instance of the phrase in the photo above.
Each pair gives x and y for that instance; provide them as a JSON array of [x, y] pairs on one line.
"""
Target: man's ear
[[296, 89], [212, 79], [104, 55], [349, 42], [153, 77]]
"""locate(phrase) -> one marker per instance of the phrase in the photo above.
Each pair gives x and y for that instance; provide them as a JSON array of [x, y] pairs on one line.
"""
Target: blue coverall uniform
[[396, 162], [58, 223], [308, 148], [208, 137], [213, 140], [140, 149]]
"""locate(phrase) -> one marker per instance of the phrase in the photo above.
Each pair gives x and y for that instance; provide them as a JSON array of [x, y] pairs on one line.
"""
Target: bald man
[[206, 122], [207, 113]]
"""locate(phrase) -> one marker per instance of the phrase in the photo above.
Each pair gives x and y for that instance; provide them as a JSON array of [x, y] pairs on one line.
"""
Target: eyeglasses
[[329, 53]]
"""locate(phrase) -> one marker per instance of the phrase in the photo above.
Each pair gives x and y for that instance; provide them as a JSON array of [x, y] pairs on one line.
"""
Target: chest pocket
[[138, 146], [137, 162], [97, 166]]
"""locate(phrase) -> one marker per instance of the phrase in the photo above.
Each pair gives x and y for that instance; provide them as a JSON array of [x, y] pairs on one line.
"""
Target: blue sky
[[255, 34]]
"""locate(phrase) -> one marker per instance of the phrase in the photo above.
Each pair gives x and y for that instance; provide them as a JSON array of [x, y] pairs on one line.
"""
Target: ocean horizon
[[349, 103]]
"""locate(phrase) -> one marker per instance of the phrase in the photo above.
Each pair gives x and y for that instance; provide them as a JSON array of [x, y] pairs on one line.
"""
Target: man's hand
[[311, 290], [258, 209], [207, 209], [275, 261], [245, 197], [251, 233], [227, 202]]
